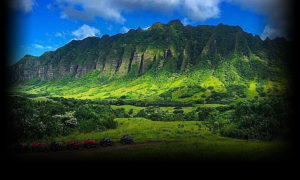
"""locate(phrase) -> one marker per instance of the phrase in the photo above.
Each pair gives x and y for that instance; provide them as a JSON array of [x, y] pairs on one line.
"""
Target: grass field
[[146, 130], [136, 109], [166, 141]]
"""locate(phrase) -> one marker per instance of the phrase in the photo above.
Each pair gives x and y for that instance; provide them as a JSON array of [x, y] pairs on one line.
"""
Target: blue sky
[[44, 25]]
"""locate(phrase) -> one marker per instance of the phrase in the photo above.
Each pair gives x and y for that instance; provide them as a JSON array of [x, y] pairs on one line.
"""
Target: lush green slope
[[166, 62], [224, 84]]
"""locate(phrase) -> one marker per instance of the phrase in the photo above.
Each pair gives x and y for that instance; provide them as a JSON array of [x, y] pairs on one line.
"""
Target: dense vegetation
[[40, 117], [226, 80], [252, 119], [169, 62], [36, 119], [255, 119]]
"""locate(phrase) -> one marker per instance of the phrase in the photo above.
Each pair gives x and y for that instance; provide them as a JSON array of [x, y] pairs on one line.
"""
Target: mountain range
[[165, 61]]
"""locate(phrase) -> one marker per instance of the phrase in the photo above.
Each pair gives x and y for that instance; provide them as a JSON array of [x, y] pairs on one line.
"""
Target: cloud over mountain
[[85, 31], [278, 15], [276, 12]]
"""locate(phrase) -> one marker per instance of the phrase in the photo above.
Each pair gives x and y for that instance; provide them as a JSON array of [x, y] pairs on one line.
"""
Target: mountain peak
[[175, 22], [28, 56], [220, 24], [157, 25], [131, 31], [105, 36]]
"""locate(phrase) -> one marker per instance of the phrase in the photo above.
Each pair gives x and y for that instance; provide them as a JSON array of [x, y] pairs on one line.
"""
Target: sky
[[45, 25]]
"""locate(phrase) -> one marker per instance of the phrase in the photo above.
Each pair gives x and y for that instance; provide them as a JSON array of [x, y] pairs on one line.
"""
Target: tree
[[68, 119], [130, 111], [203, 113]]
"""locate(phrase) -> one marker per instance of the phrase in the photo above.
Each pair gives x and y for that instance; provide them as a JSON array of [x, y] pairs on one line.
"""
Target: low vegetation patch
[[48, 117]]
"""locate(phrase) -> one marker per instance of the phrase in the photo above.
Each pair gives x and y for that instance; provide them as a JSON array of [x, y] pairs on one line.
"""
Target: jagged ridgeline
[[166, 61]]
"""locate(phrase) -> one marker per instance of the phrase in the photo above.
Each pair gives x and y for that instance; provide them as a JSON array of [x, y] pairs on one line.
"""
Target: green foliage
[[68, 119], [263, 119], [130, 111], [184, 66], [203, 113], [158, 114], [166, 95], [178, 111], [170, 141], [257, 119], [245, 70], [198, 57], [32, 119]]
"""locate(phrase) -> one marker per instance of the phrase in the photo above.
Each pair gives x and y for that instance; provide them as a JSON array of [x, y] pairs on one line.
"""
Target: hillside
[[165, 62], [234, 82]]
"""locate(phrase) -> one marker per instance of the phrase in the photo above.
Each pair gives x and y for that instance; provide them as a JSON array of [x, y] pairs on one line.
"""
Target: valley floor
[[155, 141]]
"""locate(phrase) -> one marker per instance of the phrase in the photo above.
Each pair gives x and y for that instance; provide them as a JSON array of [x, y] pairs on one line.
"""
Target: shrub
[[259, 119], [130, 112], [30, 119], [203, 113], [178, 111]]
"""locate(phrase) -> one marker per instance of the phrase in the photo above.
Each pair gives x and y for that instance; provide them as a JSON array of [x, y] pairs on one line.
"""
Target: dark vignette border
[[147, 163]]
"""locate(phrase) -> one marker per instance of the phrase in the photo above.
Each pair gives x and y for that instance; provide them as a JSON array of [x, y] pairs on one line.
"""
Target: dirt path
[[81, 153], [117, 147]]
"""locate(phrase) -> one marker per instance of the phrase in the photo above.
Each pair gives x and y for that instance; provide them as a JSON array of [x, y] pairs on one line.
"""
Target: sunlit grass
[[188, 139], [146, 130], [251, 92]]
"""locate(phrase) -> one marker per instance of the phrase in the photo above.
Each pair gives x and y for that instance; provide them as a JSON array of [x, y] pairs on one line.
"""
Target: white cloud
[[275, 11], [63, 15], [113, 9], [85, 31], [39, 46], [125, 29], [146, 28], [201, 10], [89, 9], [58, 34], [185, 21], [22, 5], [62, 34], [49, 6], [271, 32], [278, 15]]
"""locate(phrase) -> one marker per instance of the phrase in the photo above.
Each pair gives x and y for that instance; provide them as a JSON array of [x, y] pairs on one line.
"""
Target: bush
[[68, 119], [178, 111], [30, 119], [130, 112], [258, 119], [203, 113]]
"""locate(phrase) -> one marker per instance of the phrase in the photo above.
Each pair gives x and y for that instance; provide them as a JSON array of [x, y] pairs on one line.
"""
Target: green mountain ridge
[[224, 81], [165, 62]]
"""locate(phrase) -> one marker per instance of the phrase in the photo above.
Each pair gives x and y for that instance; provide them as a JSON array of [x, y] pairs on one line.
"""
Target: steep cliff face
[[172, 46]]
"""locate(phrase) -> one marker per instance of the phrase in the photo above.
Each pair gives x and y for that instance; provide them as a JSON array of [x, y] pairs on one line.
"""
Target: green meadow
[[167, 141]]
